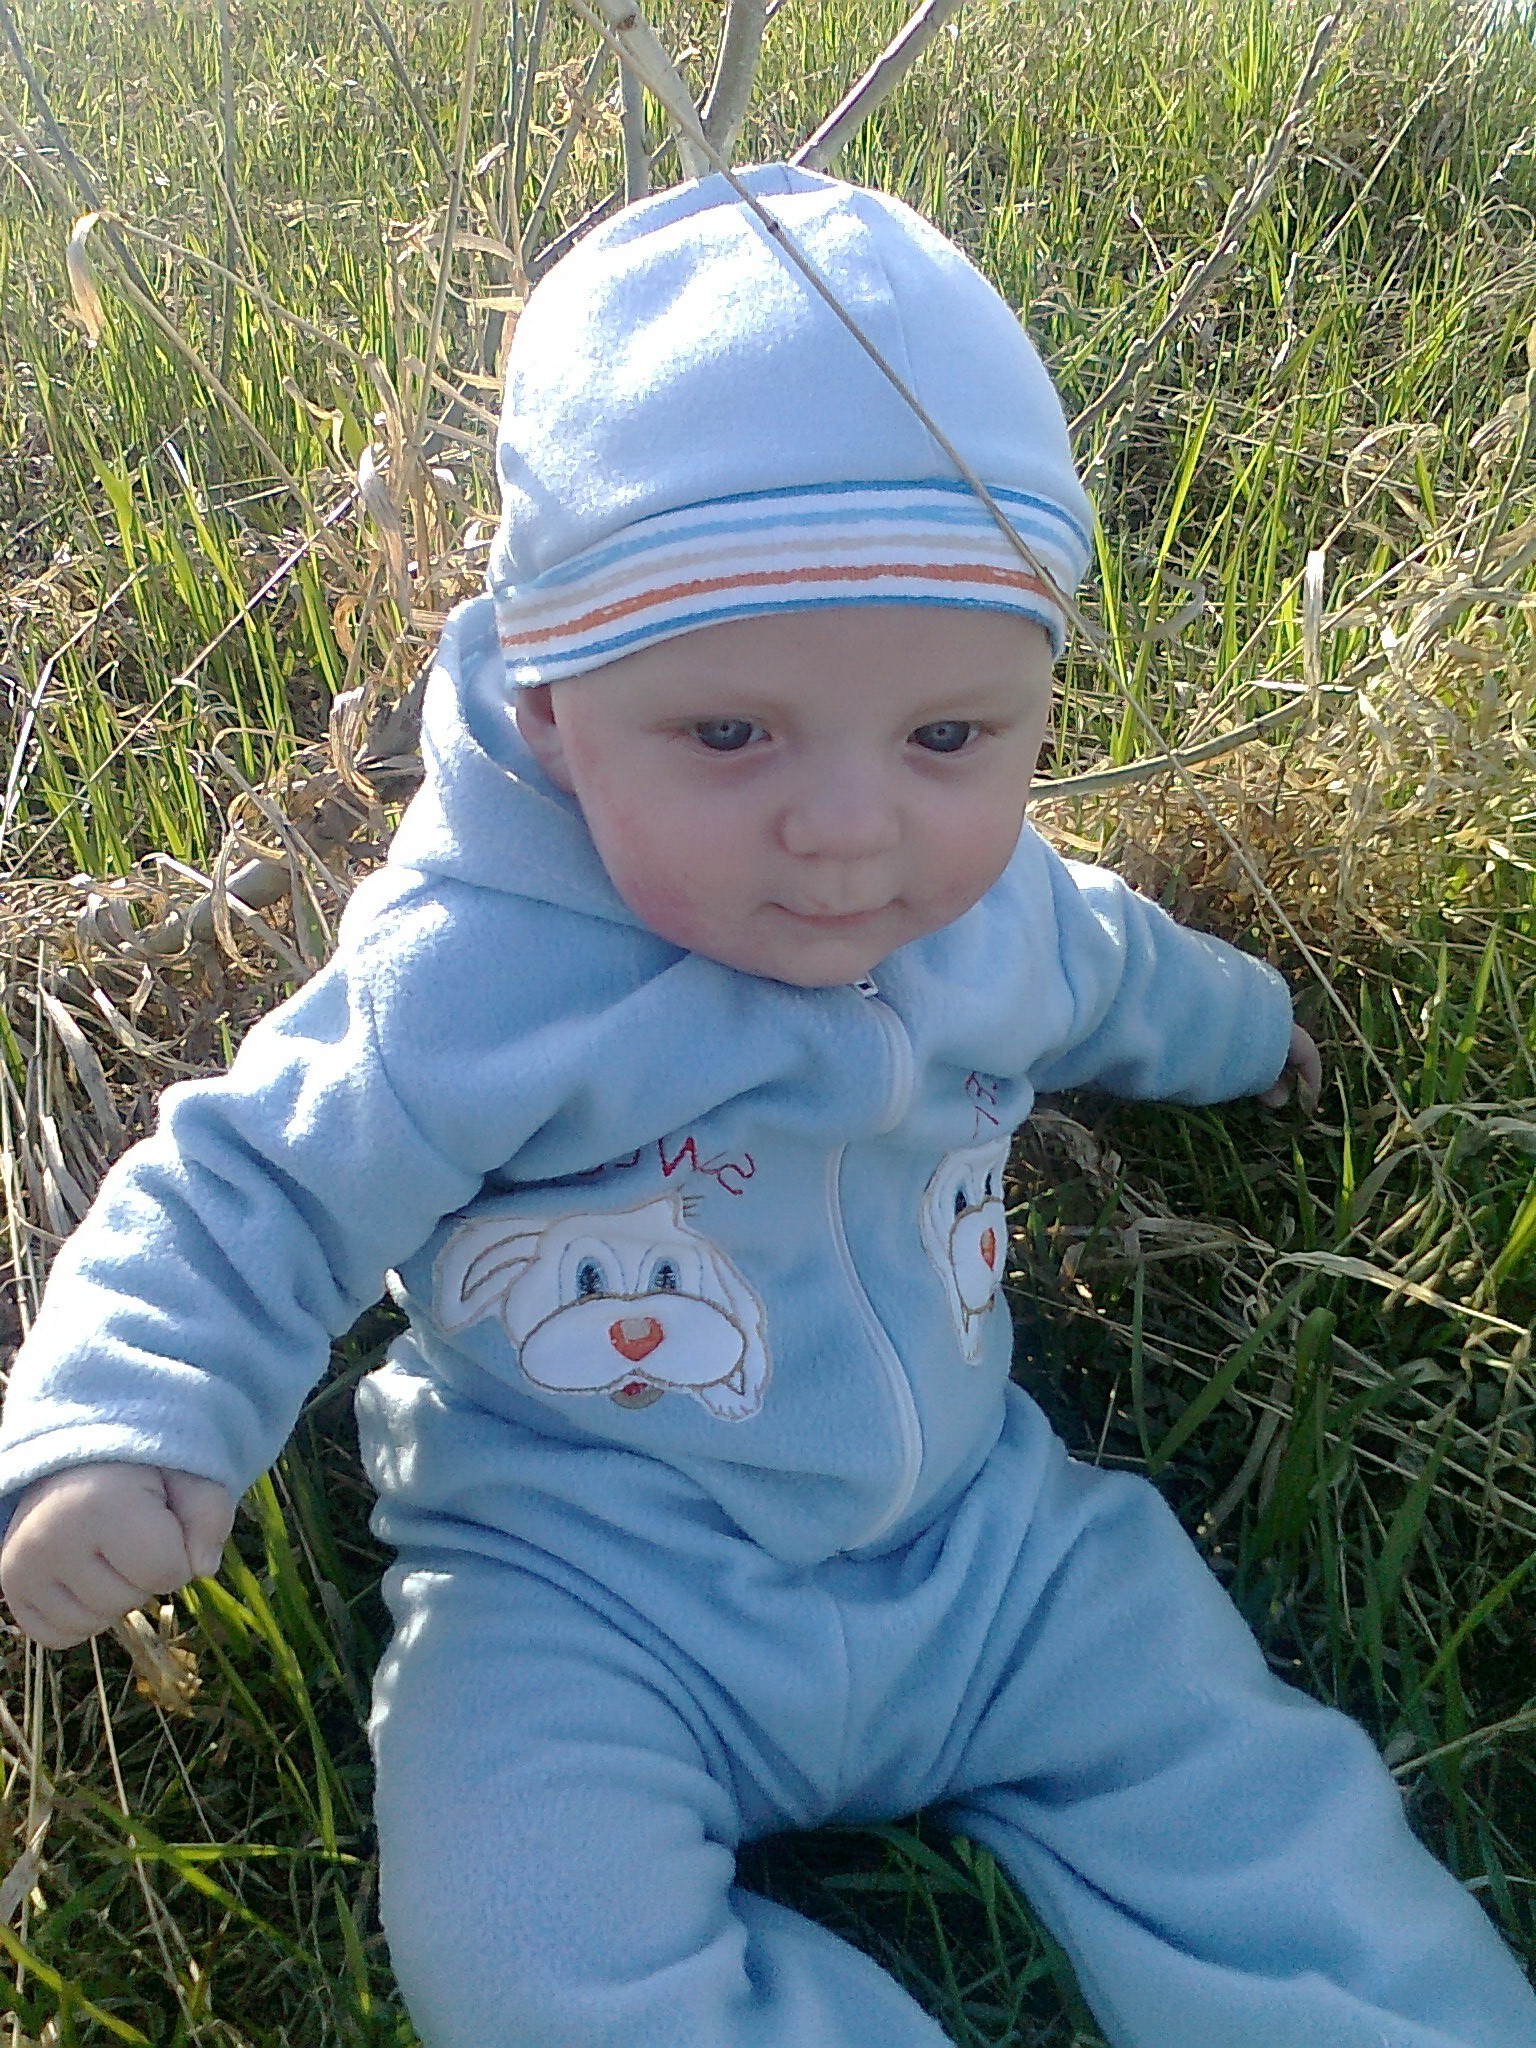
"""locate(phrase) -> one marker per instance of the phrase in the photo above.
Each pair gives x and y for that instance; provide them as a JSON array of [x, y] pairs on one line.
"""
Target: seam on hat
[[904, 367]]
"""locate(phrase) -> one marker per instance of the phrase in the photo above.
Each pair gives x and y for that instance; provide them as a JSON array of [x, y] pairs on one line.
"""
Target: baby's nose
[[840, 815]]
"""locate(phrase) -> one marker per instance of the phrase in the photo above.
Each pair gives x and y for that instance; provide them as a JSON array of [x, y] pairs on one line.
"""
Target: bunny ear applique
[[477, 1266], [740, 1395]]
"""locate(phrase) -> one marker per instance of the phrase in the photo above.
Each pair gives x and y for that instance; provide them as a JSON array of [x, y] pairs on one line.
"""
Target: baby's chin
[[778, 947], [795, 967]]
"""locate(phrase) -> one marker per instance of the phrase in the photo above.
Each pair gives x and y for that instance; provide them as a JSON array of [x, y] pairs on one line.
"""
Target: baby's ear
[[535, 713]]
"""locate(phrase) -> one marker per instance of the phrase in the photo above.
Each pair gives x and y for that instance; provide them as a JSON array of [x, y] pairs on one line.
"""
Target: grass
[[1316, 1336]]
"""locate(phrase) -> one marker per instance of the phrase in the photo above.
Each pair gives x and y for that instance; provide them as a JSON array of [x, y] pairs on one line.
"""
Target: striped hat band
[[792, 550]]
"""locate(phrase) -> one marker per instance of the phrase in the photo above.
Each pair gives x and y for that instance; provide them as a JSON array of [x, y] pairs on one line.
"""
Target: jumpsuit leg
[[558, 1832], [1225, 1860]]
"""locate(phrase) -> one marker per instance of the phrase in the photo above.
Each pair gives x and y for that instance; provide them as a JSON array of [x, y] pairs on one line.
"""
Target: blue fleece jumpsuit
[[716, 1512]]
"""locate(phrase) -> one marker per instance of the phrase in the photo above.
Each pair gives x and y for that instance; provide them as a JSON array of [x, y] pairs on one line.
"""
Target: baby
[[668, 1070]]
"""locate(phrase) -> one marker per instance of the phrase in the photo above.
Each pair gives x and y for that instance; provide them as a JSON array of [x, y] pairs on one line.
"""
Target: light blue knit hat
[[690, 435]]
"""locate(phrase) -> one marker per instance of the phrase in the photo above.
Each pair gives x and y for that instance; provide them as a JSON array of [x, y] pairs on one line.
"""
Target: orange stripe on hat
[[704, 586]]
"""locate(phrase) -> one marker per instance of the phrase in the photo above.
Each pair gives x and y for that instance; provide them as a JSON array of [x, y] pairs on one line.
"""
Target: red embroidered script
[[983, 1093], [729, 1174]]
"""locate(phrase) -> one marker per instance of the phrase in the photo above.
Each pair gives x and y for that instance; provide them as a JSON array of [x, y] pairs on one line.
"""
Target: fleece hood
[[486, 815]]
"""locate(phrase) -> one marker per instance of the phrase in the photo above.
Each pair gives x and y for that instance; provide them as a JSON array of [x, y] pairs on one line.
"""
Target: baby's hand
[[88, 1544], [1303, 1069]]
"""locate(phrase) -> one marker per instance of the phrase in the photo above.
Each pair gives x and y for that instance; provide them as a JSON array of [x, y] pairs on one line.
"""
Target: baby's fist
[[1303, 1071], [88, 1544]]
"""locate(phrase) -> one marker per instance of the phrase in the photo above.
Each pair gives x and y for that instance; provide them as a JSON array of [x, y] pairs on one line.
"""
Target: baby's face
[[799, 795]]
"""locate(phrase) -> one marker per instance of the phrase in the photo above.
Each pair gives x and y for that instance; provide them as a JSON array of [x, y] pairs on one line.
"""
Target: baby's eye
[[945, 735], [724, 735]]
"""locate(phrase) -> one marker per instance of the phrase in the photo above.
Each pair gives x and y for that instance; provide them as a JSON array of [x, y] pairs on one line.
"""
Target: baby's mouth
[[835, 920]]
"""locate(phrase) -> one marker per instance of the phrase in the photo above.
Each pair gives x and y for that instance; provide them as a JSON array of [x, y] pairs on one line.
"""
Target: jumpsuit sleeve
[[190, 1313], [1157, 1011]]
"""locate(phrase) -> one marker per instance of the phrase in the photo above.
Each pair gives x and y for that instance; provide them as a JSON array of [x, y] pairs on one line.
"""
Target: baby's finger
[[48, 1635], [206, 1512], [149, 1551], [56, 1619], [1309, 1075], [101, 1588]]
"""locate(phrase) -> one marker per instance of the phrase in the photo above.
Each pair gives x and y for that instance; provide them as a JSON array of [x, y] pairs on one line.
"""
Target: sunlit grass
[[1315, 1336]]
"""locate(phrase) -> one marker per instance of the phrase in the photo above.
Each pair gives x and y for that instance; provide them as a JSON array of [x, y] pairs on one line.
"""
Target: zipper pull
[[867, 986]]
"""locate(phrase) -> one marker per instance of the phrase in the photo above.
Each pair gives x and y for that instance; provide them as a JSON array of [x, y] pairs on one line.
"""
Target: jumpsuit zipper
[[908, 1428]]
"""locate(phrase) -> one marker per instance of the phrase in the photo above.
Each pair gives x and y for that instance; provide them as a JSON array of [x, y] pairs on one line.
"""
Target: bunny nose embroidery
[[989, 1247], [635, 1337]]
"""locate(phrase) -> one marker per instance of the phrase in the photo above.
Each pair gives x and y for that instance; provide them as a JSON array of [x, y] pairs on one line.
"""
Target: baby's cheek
[[638, 861], [668, 915], [665, 903], [965, 880]]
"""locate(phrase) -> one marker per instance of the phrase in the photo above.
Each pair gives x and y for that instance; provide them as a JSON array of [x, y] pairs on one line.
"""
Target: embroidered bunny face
[[633, 1304], [965, 1234]]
